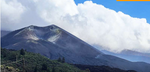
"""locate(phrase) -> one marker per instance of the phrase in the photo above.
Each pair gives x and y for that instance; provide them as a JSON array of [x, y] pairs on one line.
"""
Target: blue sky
[[134, 9]]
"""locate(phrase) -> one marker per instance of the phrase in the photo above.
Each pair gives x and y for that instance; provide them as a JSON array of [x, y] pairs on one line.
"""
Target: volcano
[[54, 42]]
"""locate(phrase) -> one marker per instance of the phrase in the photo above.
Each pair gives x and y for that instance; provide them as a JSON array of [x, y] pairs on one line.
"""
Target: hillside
[[101, 68], [32, 62]]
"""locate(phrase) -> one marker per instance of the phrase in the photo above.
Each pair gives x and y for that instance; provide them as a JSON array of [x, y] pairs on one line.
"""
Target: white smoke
[[96, 24]]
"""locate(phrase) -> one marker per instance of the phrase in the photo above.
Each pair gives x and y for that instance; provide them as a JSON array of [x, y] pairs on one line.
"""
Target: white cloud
[[19, 13], [11, 10], [52, 10], [95, 24], [0, 14]]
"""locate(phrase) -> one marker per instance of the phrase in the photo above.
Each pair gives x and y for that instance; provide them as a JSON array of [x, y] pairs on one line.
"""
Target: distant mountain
[[130, 52], [131, 55], [4, 32], [54, 42]]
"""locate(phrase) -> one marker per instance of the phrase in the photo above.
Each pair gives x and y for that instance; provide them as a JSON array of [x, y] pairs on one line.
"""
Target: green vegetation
[[22, 52], [22, 61], [90, 68], [61, 60]]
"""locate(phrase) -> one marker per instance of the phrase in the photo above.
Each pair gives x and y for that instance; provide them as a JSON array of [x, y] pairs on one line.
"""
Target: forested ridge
[[23, 61]]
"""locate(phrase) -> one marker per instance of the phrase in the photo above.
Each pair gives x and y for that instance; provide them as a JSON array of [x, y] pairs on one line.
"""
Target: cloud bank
[[11, 10], [93, 23]]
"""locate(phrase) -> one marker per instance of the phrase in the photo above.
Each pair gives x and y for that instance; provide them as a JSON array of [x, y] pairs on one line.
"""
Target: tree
[[53, 69], [4, 52], [35, 69], [22, 52], [87, 70], [63, 60], [59, 59], [12, 56], [44, 66]]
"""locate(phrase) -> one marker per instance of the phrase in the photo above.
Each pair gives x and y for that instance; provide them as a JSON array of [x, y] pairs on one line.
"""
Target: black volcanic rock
[[54, 42]]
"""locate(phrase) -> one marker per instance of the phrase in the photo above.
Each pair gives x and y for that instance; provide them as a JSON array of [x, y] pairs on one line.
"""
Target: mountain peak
[[52, 25], [31, 26], [49, 26]]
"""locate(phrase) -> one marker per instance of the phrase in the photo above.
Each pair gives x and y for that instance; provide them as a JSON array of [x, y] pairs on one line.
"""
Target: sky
[[111, 25]]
